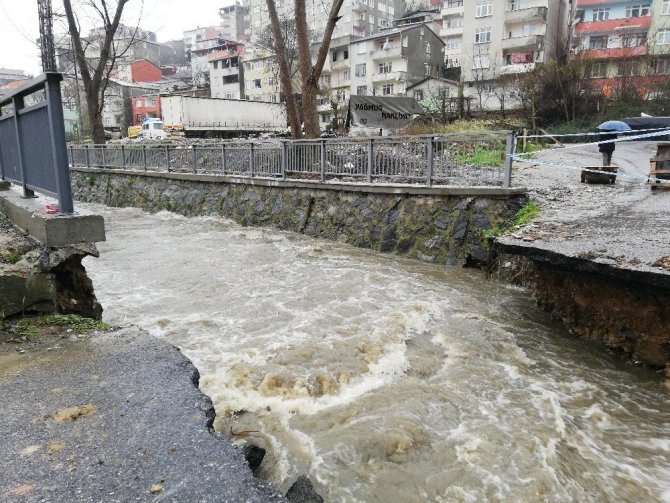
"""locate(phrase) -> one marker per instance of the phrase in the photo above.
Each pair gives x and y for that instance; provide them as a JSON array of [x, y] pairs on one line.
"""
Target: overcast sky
[[19, 28]]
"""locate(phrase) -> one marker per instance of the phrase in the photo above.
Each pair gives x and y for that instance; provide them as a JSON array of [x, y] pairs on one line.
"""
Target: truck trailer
[[220, 117]]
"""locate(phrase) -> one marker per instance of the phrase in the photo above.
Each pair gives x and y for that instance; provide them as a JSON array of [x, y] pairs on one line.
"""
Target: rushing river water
[[386, 379]]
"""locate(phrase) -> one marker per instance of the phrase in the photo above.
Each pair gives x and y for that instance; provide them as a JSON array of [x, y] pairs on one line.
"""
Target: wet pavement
[[622, 226], [116, 418]]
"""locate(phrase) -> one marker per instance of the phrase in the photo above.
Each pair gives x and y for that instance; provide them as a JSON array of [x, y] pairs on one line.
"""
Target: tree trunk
[[284, 72]]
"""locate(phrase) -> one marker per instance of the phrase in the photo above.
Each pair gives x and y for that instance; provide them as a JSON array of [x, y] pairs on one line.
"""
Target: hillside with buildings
[[468, 54]]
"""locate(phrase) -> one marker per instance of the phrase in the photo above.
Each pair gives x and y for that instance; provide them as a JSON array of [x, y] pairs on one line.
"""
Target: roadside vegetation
[[525, 215], [39, 328]]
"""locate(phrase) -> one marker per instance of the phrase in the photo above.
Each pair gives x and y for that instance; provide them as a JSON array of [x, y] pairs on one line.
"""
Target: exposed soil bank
[[628, 312], [35, 278]]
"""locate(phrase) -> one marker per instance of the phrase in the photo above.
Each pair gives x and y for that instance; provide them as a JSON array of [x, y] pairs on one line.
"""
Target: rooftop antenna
[[47, 46]]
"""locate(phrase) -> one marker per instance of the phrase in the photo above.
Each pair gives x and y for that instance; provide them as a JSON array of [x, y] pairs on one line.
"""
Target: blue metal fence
[[32, 140]]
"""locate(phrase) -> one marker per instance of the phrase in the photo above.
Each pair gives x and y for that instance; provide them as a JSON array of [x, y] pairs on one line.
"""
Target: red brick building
[[145, 106]]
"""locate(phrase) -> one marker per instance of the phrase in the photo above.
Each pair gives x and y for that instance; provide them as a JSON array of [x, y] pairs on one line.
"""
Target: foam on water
[[386, 379]]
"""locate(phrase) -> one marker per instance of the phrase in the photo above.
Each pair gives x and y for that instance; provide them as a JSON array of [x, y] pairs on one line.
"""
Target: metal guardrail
[[470, 159], [33, 152]]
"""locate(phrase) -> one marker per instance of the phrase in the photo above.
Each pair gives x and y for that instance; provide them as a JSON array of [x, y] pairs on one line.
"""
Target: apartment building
[[261, 77], [335, 83], [360, 18], [234, 21], [226, 74], [387, 63], [626, 43], [490, 39], [193, 39]]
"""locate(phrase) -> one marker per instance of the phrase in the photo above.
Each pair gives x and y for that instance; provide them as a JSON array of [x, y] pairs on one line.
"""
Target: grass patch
[[482, 157], [528, 212], [12, 257], [28, 328]]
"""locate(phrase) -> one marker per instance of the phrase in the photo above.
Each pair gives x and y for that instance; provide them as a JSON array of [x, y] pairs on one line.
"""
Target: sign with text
[[385, 112]]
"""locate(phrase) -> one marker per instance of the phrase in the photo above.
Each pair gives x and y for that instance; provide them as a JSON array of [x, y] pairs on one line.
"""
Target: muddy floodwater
[[386, 379]]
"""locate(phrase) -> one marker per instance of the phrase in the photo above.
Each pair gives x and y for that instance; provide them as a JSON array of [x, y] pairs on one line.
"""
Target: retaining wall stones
[[432, 224]]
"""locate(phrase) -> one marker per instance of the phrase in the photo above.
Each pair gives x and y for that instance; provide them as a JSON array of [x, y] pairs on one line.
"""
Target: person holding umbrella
[[608, 133]]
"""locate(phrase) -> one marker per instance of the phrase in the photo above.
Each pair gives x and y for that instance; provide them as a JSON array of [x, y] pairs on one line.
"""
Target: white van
[[152, 129]]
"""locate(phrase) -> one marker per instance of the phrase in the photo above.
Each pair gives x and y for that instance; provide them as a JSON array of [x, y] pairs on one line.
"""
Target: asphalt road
[[625, 225], [116, 418]]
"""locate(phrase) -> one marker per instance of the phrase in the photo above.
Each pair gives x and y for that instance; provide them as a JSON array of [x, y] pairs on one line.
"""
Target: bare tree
[[309, 73], [95, 77]]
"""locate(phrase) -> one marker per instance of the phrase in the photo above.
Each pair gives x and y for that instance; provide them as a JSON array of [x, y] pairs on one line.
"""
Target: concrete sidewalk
[[115, 418]]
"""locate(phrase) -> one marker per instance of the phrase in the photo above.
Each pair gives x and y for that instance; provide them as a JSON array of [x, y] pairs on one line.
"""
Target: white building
[[358, 17]]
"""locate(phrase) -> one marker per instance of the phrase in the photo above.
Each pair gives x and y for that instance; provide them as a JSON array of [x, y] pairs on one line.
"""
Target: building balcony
[[526, 15], [451, 31], [641, 23], [225, 72], [518, 44], [453, 10], [341, 64], [514, 69], [394, 52], [358, 7], [389, 77], [613, 52]]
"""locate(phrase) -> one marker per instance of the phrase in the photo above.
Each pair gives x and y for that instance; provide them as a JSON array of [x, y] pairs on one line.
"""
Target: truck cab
[[152, 129]]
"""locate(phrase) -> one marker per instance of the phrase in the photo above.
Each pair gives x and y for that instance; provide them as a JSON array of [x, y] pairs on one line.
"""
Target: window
[[597, 70], [216, 65], [637, 10], [601, 14], [665, 10], [385, 67], [661, 66], [427, 47], [634, 40], [138, 103], [518, 4], [454, 3], [482, 35], [480, 61], [387, 89], [454, 22], [362, 90], [360, 70], [361, 48], [426, 70], [628, 68], [334, 55], [231, 79], [150, 102], [272, 82], [345, 75], [484, 9], [598, 42], [257, 84], [346, 54], [418, 95], [452, 44], [663, 37]]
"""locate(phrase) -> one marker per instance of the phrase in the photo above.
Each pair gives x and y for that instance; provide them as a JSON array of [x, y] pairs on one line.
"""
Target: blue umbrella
[[614, 126]]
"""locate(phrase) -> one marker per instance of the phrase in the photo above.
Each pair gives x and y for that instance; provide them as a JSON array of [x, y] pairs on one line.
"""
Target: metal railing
[[466, 159], [32, 140]]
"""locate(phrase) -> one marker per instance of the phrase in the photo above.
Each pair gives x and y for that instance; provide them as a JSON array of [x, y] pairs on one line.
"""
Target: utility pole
[[47, 46]]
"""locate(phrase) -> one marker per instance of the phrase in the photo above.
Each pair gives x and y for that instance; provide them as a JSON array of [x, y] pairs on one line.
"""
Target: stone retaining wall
[[432, 224]]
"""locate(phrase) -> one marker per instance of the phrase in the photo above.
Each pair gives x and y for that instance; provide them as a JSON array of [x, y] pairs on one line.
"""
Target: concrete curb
[[52, 231]]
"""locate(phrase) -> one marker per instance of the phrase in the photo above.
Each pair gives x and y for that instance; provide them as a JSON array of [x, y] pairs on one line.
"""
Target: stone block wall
[[433, 225]]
